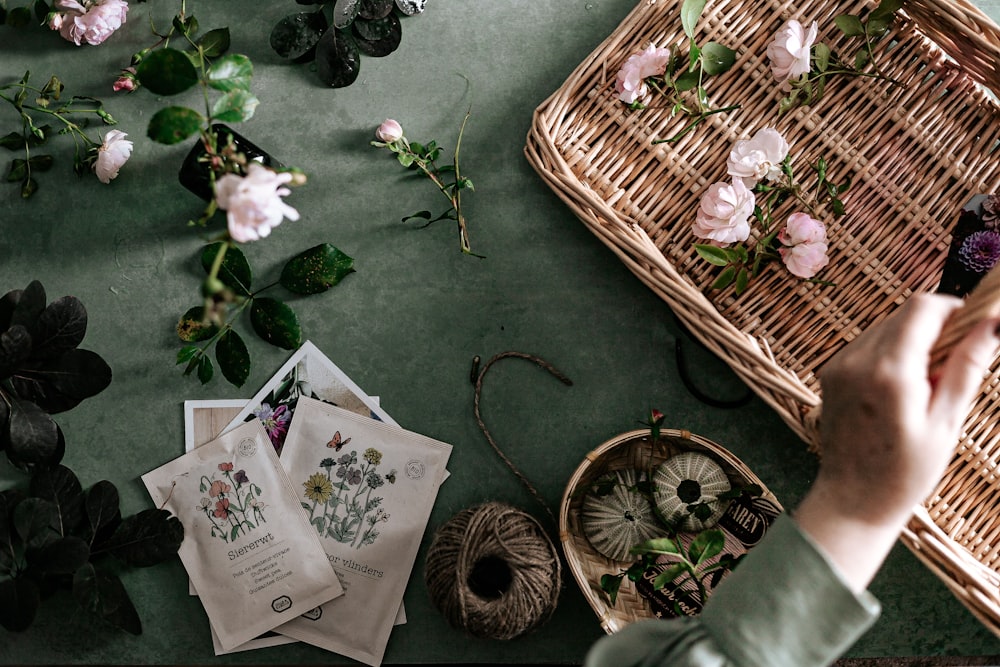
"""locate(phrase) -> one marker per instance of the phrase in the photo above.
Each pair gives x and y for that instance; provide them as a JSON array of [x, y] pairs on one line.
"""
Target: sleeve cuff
[[786, 605]]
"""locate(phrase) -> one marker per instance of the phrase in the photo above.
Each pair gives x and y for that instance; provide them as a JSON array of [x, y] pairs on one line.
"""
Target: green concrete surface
[[405, 326]]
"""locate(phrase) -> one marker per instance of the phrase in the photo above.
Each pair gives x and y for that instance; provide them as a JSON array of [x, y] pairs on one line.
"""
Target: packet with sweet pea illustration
[[252, 555]]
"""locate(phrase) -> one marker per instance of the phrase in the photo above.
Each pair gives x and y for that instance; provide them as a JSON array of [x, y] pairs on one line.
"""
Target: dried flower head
[[980, 250]]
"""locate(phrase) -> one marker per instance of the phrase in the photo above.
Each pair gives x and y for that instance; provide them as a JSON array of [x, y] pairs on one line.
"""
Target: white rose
[[805, 259], [253, 202], [802, 228], [630, 83], [789, 51], [724, 213], [759, 158], [389, 131], [113, 153]]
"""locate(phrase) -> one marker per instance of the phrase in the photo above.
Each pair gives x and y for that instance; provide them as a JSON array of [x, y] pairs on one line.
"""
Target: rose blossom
[[802, 228], [724, 213], [630, 84], [805, 259], [389, 131], [759, 158], [112, 154], [91, 23], [253, 202], [126, 81], [789, 51]]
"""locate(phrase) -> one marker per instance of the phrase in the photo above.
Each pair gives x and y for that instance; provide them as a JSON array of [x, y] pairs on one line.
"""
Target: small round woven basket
[[633, 450]]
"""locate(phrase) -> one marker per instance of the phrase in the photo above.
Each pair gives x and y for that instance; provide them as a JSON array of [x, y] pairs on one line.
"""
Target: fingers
[[961, 375]]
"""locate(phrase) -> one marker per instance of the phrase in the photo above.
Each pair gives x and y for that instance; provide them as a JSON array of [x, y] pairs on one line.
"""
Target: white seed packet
[[247, 547], [366, 489]]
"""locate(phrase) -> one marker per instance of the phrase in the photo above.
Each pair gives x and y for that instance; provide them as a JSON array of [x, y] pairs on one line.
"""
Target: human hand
[[888, 429]]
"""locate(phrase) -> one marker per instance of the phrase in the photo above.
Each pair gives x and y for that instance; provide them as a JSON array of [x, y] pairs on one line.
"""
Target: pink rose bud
[[126, 81], [801, 228], [389, 131]]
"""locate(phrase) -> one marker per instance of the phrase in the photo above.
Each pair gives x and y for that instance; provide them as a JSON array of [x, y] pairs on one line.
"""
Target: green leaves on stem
[[448, 179], [810, 87], [72, 117], [229, 291], [682, 84], [56, 536]]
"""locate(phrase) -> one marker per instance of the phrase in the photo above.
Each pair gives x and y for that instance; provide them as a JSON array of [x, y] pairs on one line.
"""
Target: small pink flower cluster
[[630, 83], [725, 209], [91, 21]]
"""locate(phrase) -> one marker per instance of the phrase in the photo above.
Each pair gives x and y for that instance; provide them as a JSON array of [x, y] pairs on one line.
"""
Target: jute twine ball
[[493, 571]]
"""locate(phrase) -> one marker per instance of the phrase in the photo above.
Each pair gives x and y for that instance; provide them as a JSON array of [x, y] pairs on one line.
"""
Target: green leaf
[[821, 53], [319, 268], [405, 159], [235, 106], [205, 369], [102, 509], [233, 357], [60, 486], [187, 353], [296, 35], [663, 545], [147, 538], [886, 9], [12, 141], [104, 594], [690, 14], [742, 280], [706, 545], [214, 42], [193, 328], [60, 328], [36, 522], [669, 574], [232, 72], [849, 25], [18, 170], [686, 81], [28, 188], [34, 439], [838, 207], [716, 58], [725, 278], [877, 27], [172, 125], [59, 383], [167, 72], [693, 56], [19, 599], [235, 272], [19, 17], [276, 323], [712, 254], [611, 584]]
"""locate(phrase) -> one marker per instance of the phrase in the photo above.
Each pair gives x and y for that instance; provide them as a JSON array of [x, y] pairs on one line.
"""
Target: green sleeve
[[785, 605]]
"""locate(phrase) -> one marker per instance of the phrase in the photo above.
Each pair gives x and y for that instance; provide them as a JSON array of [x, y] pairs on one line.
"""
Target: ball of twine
[[493, 571]]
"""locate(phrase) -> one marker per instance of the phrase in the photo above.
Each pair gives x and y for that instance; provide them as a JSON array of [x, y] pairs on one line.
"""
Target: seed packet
[[247, 547], [308, 372], [366, 489]]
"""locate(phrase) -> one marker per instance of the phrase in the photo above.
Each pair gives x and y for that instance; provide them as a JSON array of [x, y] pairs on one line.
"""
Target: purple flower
[[354, 476], [275, 421], [240, 477], [980, 251]]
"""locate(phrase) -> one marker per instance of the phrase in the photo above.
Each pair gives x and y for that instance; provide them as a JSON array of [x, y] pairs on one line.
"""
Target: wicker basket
[[914, 154], [629, 451]]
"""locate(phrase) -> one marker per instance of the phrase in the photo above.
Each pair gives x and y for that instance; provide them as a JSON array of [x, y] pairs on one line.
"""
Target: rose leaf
[[233, 357], [316, 270], [276, 323], [167, 72]]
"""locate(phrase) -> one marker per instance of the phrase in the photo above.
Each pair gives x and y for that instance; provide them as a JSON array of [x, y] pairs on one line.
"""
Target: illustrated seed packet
[[247, 547], [366, 490], [307, 373]]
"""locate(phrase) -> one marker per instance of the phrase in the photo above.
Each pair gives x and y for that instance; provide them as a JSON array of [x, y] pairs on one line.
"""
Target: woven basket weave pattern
[[914, 154]]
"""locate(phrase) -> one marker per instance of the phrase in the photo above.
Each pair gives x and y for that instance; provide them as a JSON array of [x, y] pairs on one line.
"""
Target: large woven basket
[[629, 451], [914, 155]]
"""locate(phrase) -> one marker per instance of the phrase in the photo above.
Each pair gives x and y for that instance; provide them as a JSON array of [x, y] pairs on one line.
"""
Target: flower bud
[[389, 131]]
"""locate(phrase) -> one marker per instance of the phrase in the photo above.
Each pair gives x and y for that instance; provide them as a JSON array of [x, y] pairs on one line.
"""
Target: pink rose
[[389, 131], [801, 228], [724, 213], [126, 81], [630, 84], [112, 154], [91, 23], [789, 51], [253, 202], [757, 159], [805, 259]]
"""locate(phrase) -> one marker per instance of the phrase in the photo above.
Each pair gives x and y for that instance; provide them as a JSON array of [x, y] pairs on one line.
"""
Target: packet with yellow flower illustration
[[366, 489], [250, 552]]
